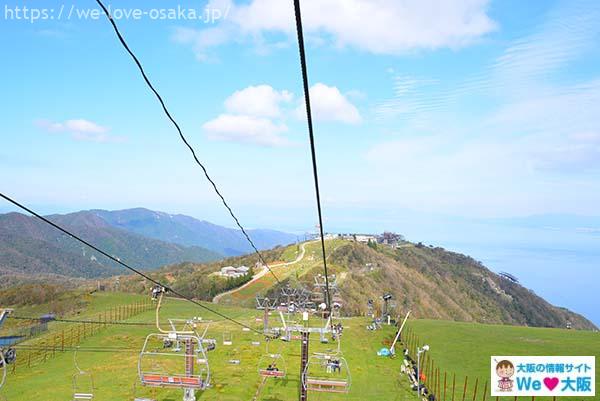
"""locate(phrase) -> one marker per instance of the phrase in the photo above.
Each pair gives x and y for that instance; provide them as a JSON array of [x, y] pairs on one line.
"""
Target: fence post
[[432, 370], [465, 388], [485, 390], [444, 385], [453, 384], [475, 390], [62, 340]]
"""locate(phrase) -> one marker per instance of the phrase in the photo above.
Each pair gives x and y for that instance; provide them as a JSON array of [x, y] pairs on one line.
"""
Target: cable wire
[[82, 321], [183, 138], [100, 322], [298, 15], [125, 265], [60, 348]]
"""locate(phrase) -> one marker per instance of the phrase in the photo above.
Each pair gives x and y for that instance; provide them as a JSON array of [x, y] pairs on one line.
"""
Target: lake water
[[562, 266]]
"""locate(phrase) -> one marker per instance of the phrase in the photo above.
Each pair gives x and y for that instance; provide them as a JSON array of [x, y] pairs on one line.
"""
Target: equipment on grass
[[392, 347]]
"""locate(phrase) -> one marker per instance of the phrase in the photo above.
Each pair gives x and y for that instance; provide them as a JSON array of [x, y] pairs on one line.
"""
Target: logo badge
[[544, 376]]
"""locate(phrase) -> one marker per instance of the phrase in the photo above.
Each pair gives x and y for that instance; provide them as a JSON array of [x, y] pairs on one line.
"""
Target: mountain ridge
[[189, 231], [432, 282], [31, 247]]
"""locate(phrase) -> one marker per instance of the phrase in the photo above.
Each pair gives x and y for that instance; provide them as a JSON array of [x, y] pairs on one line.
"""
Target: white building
[[365, 238], [232, 272]]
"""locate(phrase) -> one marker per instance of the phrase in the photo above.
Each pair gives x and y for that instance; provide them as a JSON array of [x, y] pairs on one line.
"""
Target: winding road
[[264, 271]]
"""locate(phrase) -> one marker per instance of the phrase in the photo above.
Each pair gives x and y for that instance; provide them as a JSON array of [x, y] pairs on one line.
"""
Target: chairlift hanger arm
[[161, 330]]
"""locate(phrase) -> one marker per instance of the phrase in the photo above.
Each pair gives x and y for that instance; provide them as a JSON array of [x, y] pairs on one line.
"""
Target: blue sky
[[428, 114], [468, 108]]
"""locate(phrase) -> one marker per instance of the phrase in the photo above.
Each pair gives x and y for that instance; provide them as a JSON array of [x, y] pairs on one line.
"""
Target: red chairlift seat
[[171, 381]]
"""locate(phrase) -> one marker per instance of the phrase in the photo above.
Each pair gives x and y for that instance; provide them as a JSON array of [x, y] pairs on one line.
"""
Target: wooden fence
[[446, 386], [42, 348]]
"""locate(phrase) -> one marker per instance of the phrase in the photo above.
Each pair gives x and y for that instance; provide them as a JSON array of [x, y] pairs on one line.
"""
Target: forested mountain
[[29, 247]]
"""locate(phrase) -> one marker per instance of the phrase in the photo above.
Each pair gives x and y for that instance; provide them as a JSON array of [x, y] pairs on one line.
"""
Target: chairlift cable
[[118, 261], [99, 322], [82, 321], [183, 138], [312, 141]]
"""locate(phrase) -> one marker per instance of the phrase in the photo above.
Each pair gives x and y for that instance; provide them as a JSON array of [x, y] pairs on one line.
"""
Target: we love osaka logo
[[554, 376]]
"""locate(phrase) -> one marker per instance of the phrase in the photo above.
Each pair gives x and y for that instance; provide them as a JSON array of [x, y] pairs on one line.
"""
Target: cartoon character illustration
[[505, 370]]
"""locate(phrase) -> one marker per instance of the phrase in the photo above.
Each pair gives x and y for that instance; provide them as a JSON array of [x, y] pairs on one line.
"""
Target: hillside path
[[262, 273]]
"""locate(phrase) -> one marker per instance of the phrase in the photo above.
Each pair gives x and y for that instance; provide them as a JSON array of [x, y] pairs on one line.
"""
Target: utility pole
[[303, 363], [189, 394], [266, 317]]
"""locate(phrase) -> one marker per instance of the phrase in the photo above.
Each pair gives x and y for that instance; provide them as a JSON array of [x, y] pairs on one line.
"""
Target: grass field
[[464, 349], [461, 348], [114, 373]]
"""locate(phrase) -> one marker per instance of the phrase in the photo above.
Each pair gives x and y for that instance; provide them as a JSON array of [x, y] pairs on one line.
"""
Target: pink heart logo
[[551, 382]]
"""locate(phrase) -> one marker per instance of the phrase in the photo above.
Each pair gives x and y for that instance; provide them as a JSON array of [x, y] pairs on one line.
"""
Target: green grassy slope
[[115, 373], [464, 349], [461, 348]]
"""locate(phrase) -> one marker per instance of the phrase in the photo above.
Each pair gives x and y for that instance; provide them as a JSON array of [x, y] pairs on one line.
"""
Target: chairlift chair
[[227, 338], [83, 383], [271, 364], [326, 373], [160, 367]]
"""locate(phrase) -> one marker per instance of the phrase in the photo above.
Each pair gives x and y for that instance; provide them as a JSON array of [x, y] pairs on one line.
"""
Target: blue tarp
[[9, 340]]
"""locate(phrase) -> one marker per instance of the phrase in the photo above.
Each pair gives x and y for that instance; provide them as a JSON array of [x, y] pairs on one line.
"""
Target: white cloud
[[522, 70], [256, 114], [80, 130], [578, 153], [375, 26], [260, 100], [328, 104], [248, 129]]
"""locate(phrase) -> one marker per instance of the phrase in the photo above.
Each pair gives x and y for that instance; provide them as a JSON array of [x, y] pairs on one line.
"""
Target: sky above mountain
[[468, 108]]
